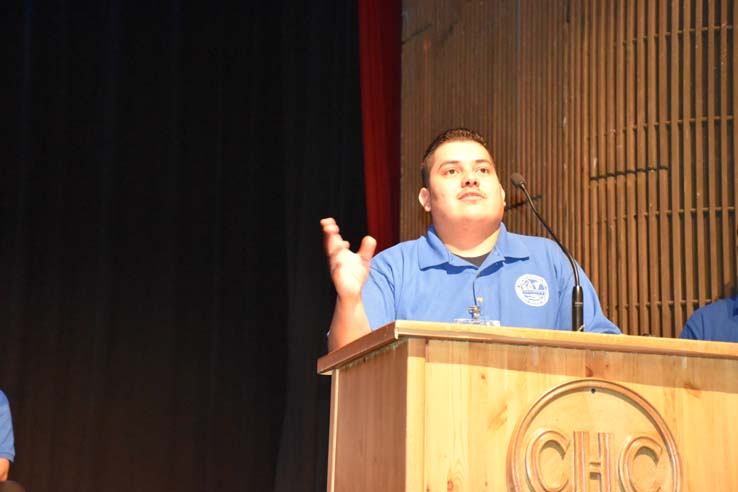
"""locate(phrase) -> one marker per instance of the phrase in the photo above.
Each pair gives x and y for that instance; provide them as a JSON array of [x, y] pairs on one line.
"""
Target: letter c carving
[[631, 448], [533, 460]]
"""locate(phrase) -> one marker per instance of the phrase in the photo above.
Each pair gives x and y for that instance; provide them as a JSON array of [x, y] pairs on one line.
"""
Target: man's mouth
[[471, 195]]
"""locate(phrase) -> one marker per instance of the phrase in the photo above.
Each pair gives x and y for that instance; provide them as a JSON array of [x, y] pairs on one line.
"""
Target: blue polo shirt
[[525, 281], [7, 443], [716, 322]]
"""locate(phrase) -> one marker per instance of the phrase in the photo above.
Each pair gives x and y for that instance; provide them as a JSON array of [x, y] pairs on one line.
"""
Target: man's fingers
[[366, 250], [329, 226], [334, 243], [332, 240], [330, 229]]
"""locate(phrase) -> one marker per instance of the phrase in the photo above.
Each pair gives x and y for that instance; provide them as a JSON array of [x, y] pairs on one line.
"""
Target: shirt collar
[[432, 252]]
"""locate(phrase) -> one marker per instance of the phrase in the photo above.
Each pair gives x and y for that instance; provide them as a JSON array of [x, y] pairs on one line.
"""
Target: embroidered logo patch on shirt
[[532, 289]]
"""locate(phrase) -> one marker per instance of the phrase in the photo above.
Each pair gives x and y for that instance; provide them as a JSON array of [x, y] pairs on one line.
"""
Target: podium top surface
[[522, 336]]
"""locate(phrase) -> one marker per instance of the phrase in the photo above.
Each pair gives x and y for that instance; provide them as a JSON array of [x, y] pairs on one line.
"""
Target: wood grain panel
[[438, 407], [365, 393]]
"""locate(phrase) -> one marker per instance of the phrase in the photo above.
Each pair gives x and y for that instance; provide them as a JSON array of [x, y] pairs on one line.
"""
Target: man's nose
[[470, 178]]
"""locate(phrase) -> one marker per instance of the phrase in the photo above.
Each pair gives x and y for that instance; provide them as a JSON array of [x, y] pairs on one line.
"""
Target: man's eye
[[451, 171], [483, 170]]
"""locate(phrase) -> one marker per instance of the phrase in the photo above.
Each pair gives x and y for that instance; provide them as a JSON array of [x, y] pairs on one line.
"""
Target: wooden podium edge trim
[[523, 336], [358, 348]]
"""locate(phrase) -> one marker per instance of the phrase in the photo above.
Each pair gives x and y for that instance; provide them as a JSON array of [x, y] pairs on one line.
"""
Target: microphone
[[577, 296]]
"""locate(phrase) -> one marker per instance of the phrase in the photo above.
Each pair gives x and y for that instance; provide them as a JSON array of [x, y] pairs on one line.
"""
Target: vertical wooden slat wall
[[459, 69], [619, 113]]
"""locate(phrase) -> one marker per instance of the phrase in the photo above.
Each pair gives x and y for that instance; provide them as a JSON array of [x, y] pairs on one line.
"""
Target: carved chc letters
[[591, 435]]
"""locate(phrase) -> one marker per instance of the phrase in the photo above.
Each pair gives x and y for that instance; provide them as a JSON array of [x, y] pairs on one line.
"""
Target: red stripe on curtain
[[379, 50]]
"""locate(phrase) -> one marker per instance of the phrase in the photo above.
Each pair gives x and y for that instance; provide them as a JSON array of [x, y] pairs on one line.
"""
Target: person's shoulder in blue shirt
[[7, 442], [715, 322]]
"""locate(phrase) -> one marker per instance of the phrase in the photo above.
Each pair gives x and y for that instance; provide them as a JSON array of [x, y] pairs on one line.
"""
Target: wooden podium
[[430, 407]]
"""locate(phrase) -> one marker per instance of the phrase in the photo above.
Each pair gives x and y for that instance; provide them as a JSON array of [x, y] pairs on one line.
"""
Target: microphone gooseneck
[[577, 296]]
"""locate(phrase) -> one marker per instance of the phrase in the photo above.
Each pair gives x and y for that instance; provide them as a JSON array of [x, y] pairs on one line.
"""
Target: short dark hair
[[450, 135]]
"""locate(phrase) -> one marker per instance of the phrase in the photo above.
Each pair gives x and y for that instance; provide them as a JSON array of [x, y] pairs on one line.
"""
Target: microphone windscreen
[[517, 180]]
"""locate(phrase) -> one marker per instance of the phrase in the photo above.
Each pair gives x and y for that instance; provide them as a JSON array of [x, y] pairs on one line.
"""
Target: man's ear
[[503, 196], [424, 199]]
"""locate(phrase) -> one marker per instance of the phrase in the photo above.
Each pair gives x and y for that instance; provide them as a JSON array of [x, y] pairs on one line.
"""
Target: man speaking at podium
[[467, 268]]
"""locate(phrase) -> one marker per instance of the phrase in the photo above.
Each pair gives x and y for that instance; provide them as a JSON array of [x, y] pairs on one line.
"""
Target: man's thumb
[[366, 250]]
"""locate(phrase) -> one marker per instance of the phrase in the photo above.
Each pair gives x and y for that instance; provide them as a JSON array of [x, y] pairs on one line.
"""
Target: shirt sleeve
[[693, 329], [7, 442], [594, 318], [378, 298]]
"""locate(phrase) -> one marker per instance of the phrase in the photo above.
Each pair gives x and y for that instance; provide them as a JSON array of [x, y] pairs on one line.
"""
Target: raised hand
[[349, 270]]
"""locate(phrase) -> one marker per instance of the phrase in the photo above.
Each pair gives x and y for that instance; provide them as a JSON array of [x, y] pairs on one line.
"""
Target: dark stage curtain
[[163, 289]]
